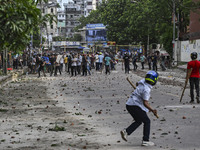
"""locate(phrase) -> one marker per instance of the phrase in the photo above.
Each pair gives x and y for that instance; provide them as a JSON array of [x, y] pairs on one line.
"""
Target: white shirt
[[74, 61], [61, 60], [79, 61], [141, 93]]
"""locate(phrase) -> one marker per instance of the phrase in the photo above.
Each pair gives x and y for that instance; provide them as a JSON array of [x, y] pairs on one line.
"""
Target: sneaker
[[192, 101], [197, 99], [124, 135], [147, 143]]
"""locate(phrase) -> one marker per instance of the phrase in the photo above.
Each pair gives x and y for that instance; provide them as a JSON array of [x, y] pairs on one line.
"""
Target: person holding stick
[[138, 106], [193, 75]]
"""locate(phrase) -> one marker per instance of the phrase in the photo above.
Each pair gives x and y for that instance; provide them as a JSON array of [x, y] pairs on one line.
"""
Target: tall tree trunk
[[5, 58]]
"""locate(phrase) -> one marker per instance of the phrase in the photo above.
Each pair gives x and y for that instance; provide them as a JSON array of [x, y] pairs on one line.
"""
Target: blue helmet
[[151, 77]]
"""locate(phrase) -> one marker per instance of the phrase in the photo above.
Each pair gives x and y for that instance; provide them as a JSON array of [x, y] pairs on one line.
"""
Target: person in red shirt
[[194, 76]]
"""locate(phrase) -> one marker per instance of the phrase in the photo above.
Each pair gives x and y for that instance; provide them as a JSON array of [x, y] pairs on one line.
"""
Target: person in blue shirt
[[107, 60], [138, 106]]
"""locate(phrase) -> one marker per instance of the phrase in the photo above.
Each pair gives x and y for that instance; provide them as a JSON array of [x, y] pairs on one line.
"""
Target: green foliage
[[130, 22], [18, 20]]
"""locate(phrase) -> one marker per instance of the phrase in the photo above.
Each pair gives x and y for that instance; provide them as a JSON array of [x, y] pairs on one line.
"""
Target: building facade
[[73, 11], [51, 29], [61, 24]]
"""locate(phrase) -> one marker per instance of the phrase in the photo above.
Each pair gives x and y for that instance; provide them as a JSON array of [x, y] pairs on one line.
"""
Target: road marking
[[181, 106], [170, 94]]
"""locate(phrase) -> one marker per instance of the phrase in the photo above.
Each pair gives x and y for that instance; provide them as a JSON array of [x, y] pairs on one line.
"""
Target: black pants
[[149, 65], [97, 66], [140, 117], [155, 68], [41, 68], [73, 70], [194, 82], [51, 69], [127, 68], [84, 70], [107, 69], [57, 68], [142, 63], [79, 69], [135, 65]]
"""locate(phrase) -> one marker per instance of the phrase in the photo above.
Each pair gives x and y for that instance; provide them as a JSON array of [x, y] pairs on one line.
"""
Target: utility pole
[[173, 41]]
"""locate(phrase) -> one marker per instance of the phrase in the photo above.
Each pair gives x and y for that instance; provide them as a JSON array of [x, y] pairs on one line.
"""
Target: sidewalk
[[13, 75]]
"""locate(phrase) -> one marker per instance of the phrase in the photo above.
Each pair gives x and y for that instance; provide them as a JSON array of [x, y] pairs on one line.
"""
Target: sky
[[64, 1]]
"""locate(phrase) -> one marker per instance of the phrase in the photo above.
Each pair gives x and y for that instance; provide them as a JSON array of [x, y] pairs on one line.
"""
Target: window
[[89, 3], [43, 10], [59, 15], [51, 33], [72, 23], [51, 26], [71, 16], [51, 10], [62, 15]]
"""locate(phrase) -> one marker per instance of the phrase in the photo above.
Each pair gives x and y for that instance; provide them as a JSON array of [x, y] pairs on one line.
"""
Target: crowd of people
[[72, 63], [82, 63]]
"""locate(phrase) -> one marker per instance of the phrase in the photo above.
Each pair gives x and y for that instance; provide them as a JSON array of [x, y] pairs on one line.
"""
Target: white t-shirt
[[79, 61], [142, 92], [74, 61], [61, 60]]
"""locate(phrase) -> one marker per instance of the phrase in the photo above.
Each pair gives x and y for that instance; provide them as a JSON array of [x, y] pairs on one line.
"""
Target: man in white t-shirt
[[138, 106]]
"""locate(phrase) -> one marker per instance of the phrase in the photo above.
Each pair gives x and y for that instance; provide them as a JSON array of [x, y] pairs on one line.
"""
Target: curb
[[13, 76]]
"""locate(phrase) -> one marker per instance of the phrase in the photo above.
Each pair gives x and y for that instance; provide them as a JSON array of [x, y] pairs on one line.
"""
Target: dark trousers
[[135, 65], [73, 70], [69, 67], [100, 66], [107, 69], [56, 70], [41, 68], [140, 117], [79, 69], [84, 70], [155, 68], [142, 63], [149, 65], [51, 69], [194, 82], [127, 68], [97, 66]]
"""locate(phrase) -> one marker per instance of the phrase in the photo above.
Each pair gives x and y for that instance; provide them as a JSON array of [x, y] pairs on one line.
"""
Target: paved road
[[97, 102]]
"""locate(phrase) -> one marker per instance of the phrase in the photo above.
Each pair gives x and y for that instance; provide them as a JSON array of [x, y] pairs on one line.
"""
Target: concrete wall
[[185, 48]]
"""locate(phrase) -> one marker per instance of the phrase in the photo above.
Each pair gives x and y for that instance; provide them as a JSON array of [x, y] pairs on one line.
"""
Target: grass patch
[[54, 145], [88, 89], [3, 110], [64, 85], [57, 128]]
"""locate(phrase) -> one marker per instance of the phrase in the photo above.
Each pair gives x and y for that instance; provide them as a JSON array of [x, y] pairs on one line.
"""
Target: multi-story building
[[61, 23], [96, 3], [87, 7], [51, 29], [73, 11]]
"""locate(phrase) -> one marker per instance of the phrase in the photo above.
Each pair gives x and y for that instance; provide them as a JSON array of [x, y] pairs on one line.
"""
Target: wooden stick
[[186, 81], [131, 83]]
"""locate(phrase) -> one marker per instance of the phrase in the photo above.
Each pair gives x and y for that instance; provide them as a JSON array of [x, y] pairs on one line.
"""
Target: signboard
[[93, 26], [96, 32]]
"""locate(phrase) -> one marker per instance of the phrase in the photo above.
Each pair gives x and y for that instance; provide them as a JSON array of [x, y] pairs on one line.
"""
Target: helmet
[[193, 55], [151, 77]]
